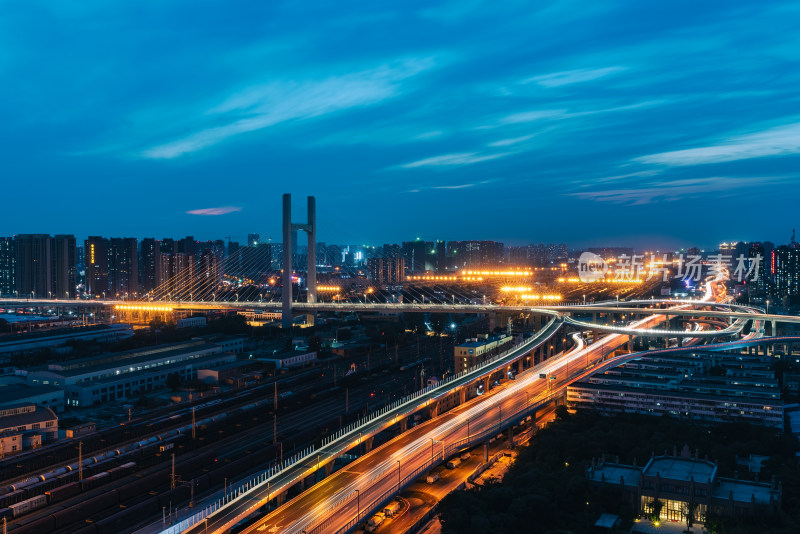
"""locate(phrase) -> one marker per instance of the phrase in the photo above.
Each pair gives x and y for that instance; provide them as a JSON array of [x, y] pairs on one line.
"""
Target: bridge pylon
[[310, 228]]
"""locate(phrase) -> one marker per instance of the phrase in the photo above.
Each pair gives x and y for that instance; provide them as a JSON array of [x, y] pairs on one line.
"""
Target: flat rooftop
[[614, 473], [15, 393], [762, 401], [744, 491], [680, 469], [132, 361]]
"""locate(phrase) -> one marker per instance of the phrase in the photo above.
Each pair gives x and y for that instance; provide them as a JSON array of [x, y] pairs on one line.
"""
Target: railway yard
[[127, 475]]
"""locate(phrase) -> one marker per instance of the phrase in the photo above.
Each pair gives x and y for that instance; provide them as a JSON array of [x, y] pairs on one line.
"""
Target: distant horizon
[[302, 241]]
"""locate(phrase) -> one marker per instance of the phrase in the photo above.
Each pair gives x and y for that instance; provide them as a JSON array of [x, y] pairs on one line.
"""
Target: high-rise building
[[418, 255], [183, 280], [334, 255], [187, 245], [64, 266], [168, 246], [440, 260], [256, 260], [8, 266], [123, 267], [150, 260], [758, 274], [233, 263], [208, 271], [96, 265], [42, 266], [785, 268], [475, 254], [34, 265], [386, 270], [518, 256], [80, 261]]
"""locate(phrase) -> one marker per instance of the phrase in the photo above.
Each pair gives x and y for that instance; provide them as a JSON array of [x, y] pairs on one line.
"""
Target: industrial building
[[126, 374], [702, 385], [103, 333], [47, 396], [26, 426]]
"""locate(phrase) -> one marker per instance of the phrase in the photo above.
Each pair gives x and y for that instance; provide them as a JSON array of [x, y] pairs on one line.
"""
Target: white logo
[[591, 267]]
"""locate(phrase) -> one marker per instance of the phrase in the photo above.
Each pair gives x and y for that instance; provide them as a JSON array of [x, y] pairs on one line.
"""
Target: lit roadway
[[624, 307], [339, 501], [335, 502]]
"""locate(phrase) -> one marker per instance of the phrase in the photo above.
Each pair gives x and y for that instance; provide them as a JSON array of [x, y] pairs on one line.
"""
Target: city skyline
[[478, 120]]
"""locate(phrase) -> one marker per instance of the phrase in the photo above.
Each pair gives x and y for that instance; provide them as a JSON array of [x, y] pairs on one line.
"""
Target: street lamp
[[398, 477], [767, 306], [358, 506]]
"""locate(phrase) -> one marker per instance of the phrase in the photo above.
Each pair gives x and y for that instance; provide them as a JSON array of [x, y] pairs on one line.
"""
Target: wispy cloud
[[222, 210], [531, 116], [674, 190], [450, 187], [569, 77], [549, 114], [449, 160], [459, 186], [272, 103], [779, 141], [512, 141]]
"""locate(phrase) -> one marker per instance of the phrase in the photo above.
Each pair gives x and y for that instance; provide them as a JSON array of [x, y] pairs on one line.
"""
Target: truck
[[393, 508], [432, 477], [374, 522], [455, 462], [464, 456]]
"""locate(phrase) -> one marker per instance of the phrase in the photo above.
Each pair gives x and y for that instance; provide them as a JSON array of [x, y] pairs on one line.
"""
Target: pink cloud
[[214, 211]]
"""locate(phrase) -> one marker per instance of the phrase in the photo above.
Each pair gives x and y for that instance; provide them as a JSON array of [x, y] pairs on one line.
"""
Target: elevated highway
[[337, 503], [633, 307], [273, 485]]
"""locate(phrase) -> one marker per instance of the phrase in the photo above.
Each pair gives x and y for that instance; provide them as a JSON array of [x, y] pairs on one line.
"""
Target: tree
[[315, 344], [689, 510], [561, 412], [655, 509]]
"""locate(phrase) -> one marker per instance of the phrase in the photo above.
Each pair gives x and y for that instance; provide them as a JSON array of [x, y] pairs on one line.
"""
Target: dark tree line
[[546, 491]]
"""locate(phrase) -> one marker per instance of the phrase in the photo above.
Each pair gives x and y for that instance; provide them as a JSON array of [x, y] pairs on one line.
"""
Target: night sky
[[607, 123]]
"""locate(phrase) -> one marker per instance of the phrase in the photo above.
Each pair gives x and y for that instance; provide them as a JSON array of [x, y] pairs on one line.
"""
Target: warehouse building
[[126, 374], [702, 386], [26, 426]]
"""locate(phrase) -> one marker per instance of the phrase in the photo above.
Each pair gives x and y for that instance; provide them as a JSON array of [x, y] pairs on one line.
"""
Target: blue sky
[[600, 123]]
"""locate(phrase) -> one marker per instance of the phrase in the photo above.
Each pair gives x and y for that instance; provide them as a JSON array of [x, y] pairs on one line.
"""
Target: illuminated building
[[123, 266], [150, 261], [96, 265], [419, 256], [64, 269], [757, 280], [785, 269], [678, 481], [476, 350], [386, 270], [8, 266], [474, 254]]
